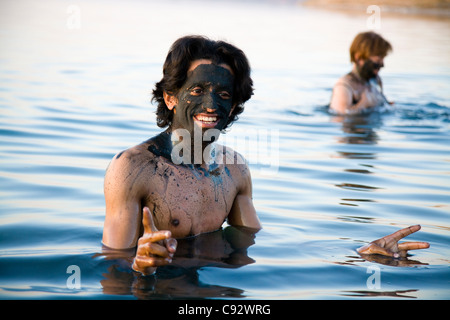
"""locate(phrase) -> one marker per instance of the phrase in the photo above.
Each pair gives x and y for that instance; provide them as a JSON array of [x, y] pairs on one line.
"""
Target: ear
[[171, 101]]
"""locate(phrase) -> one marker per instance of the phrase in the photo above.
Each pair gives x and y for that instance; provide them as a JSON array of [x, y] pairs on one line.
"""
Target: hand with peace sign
[[155, 248], [389, 245]]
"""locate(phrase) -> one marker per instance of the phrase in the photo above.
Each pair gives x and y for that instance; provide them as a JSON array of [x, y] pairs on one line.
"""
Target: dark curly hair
[[190, 48]]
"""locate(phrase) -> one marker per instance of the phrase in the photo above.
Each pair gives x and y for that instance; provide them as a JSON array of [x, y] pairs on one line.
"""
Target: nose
[[210, 103]]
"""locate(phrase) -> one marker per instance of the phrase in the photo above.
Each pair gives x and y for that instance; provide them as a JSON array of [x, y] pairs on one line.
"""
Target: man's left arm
[[243, 213], [380, 85]]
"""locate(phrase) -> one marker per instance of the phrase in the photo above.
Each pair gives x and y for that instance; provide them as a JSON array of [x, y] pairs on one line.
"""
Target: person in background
[[358, 92], [361, 89]]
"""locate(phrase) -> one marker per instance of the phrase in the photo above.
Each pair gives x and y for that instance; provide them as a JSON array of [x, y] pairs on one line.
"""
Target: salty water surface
[[73, 93]]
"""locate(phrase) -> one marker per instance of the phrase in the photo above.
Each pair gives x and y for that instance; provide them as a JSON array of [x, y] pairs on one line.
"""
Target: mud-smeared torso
[[185, 199]]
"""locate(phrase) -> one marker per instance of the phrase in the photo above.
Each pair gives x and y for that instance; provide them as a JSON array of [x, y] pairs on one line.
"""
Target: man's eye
[[196, 91], [224, 95]]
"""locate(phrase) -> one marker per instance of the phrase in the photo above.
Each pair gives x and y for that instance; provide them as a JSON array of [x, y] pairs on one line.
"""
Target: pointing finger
[[403, 233], [147, 221]]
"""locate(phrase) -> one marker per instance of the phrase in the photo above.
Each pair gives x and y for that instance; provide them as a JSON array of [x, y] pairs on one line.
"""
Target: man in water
[[175, 185], [361, 89]]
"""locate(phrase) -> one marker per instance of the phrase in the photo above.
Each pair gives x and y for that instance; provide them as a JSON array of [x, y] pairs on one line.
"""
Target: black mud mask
[[205, 99], [366, 71]]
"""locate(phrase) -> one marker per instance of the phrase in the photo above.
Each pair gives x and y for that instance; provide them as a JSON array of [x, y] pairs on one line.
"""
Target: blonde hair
[[368, 44]]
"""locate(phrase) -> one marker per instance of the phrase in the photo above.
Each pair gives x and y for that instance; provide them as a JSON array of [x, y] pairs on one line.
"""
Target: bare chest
[[189, 201], [370, 89]]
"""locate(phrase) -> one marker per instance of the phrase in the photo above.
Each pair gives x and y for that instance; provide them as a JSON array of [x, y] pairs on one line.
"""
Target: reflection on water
[[353, 186], [72, 98], [170, 283], [404, 262], [359, 129], [225, 248], [383, 294]]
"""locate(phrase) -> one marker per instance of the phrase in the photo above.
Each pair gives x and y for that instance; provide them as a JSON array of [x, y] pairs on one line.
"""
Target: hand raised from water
[[367, 99], [389, 246], [155, 248]]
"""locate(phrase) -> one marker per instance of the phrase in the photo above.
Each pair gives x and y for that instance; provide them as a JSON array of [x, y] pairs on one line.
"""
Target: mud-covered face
[[205, 99], [370, 68]]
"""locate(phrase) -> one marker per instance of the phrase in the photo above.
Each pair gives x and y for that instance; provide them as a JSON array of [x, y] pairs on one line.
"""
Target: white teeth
[[206, 119]]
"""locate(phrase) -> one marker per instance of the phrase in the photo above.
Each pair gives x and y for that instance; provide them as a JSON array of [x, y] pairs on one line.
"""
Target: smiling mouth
[[207, 120]]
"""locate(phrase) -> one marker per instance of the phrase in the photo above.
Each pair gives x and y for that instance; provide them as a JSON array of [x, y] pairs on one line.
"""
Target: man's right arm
[[123, 213], [342, 100], [125, 220]]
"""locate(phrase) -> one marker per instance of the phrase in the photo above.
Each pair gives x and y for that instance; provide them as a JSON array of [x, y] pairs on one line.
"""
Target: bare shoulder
[[237, 166], [345, 81], [125, 160], [124, 188], [127, 166]]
